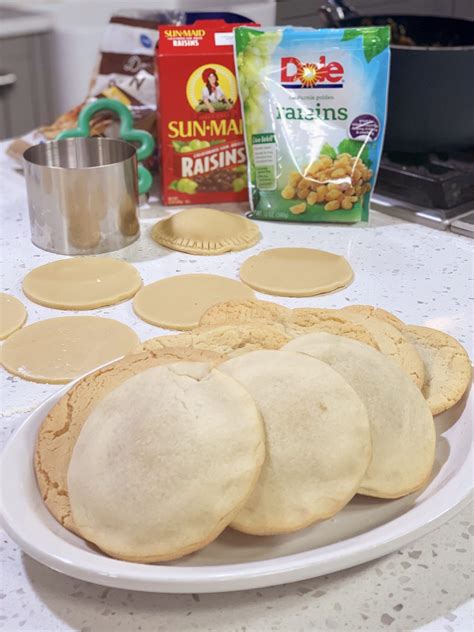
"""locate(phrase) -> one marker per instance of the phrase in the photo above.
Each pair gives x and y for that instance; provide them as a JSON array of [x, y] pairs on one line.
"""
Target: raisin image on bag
[[335, 181], [314, 106], [203, 158]]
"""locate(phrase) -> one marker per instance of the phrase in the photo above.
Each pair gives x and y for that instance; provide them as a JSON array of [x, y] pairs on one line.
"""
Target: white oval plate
[[367, 528]]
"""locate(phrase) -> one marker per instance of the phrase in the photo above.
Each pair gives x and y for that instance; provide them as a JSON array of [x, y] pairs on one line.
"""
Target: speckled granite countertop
[[418, 273]]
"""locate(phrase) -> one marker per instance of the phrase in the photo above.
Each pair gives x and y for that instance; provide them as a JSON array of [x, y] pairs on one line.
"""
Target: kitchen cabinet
[[25, 93]]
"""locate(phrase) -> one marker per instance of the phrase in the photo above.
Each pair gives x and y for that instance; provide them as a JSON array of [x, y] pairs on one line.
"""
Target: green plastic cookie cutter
[[127, 133]]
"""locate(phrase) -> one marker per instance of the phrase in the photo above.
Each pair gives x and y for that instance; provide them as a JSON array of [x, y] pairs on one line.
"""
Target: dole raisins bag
[[314, 108]]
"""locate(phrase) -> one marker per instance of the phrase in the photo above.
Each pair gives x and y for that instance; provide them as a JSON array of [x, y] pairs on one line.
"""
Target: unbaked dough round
[[12, 315], [178, 302], [206, 231], [318, 442], [82, 283], [164, 462], [58, 350], [296, 272]]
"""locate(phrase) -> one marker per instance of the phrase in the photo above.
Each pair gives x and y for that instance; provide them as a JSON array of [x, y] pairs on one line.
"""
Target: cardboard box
[[200, 133]]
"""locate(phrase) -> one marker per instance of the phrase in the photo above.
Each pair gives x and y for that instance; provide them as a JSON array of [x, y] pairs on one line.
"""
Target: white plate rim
[[83, 565]]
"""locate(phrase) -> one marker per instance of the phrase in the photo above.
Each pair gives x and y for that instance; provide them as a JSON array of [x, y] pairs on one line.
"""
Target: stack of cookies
[[264, 419]]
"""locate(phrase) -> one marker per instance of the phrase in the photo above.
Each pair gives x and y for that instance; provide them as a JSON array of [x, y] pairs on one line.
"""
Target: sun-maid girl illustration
[[213, 98]]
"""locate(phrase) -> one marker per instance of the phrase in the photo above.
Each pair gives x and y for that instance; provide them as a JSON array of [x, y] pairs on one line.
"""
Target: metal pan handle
[[332, 12]]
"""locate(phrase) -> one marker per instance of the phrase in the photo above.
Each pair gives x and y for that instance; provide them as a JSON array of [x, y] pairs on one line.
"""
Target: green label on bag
[[264, 159]]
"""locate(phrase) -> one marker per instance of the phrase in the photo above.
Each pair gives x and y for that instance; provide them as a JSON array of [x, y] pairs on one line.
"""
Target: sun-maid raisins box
[[203, 157]]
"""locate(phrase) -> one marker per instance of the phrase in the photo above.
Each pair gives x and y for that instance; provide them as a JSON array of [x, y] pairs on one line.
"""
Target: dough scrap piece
[[391, 341], [206, 231], [448, 370], [60, 429], [402, 427], [231, 340], [157, 476], [304, 320], [244, 311], [178, 302], [82, 283], [296, 272], [58, 350], [12, 315], [318, 442]]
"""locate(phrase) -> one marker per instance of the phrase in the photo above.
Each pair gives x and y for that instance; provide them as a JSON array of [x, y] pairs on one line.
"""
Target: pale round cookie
[[231, 340], [318, 442], [82, 283], [58, 350], [12, 315], [178, 302], [206, 231], [60, 429], [402, 427], [448, 370], [390, 340], [164, 462], [304, 320], [244, 311], [296, 272]]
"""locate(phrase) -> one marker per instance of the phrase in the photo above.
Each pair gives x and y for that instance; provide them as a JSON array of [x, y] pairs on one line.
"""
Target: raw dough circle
[[61, 428], [402, 427], [12, 315], [296, 272], [178, 302], [448, 370], [82, 283], [59, 350], [318, 442], [206, 231], [164, 462]]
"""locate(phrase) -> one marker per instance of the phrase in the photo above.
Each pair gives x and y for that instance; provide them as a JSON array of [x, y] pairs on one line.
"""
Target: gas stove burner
[[435, 180]]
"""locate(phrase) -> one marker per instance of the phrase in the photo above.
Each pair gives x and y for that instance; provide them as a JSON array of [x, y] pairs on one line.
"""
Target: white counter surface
[[422, 275]]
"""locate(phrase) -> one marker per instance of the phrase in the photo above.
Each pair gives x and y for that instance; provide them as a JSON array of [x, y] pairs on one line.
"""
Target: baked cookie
[[164, 462], [60, 429], [448, 370], [304, 320], [376, 312], [231, 340], [402, 427], [318, 443], [244, 311], [206, 231], [390, 339]]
